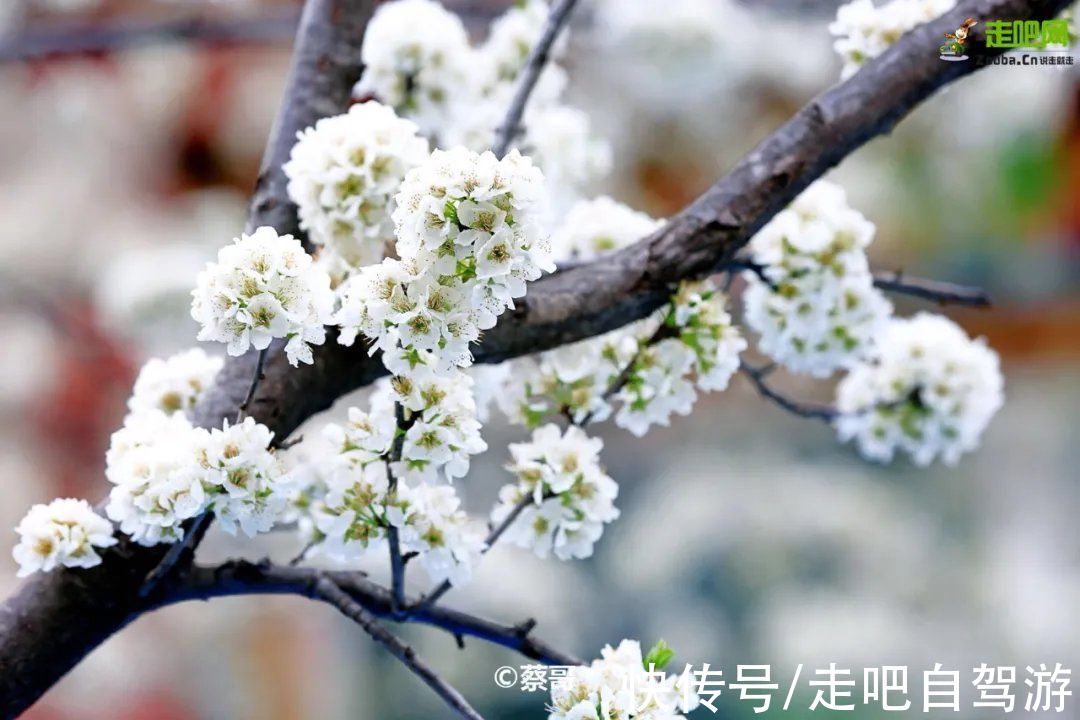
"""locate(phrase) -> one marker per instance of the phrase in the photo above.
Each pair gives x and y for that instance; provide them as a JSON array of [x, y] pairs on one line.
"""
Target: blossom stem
[[256, 378], [529, 75], [329, 591]]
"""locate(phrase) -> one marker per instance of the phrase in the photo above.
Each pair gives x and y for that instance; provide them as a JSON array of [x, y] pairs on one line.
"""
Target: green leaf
[[659, 656]]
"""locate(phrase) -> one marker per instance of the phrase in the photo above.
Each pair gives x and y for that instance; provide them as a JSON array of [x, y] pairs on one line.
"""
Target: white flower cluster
[[574, 378], [175, 384], [263, 286], [165, 471], [864, 31], [417, 59], [622, 685], [66, 532], [703, 352], [343, 175], [572, 498], [469, 241], [351, 506], [929, 391], [822, 311]]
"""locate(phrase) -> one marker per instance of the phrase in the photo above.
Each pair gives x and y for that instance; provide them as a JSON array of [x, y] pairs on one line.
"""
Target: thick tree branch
[[81, 38], [328, 591], [55, 619]]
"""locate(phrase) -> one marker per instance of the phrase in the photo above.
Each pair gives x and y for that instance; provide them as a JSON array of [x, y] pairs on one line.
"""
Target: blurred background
[[130, 137]]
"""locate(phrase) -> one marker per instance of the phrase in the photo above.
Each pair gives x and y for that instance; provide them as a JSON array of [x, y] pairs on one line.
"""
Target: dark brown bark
[[54, 620]]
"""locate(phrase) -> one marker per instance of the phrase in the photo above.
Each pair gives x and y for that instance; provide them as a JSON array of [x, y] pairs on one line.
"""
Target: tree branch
[[814, 412], [397, 564], [331, 593], [943, 293], [240, 577], [55, 619], [80, 38], [530, 74]]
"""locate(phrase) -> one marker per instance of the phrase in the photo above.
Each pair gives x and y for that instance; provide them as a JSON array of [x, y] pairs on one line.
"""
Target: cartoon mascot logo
[[954, 48]]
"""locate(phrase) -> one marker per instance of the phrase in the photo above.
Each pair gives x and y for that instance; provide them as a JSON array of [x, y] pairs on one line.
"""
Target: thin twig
[[327, 590], [397, 564], [256, 378], [943, 293], [242, 577], [192, 537], [529, 75], [757, 376]]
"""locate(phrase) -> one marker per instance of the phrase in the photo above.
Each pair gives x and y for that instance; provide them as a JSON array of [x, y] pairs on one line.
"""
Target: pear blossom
[[343, 175], [263, 286], [64, 533], [246, 485], [818, 311], [164, 471], [929, 391], [623, 685], [514, 34], [417, 59], [468, 242], [570, 497], [592, 228], [698, 348], [864, 31], [174, 384], [433, 524]]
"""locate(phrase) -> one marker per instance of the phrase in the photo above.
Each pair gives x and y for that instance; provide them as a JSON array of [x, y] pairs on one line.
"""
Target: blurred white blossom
[[174, 384], [864, 31], [929, 391], [66, 532]]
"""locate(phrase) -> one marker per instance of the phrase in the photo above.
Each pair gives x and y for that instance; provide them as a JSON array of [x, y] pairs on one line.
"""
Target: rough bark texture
[[56, 619]]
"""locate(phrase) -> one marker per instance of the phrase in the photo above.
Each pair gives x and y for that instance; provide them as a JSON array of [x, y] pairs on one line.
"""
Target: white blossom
[[165, 471], [864, 31], [819, 311], [175, 384], [245, 483], [433, 524], [351, 506], [152, 464], [701, 352], [572, 498], [620, 685], [343, 175], [417, 60], [929, 391], [263, 286], [468, 241], [66, 532]]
